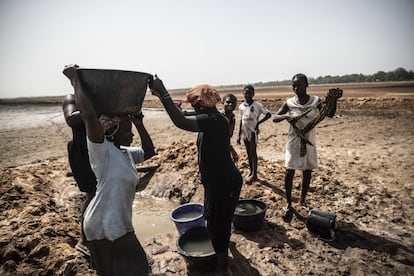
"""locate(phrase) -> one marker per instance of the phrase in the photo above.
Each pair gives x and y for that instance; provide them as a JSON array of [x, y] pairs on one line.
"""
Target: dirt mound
[[39, 214]]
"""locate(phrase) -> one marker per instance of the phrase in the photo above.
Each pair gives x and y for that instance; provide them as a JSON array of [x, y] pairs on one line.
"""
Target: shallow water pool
[[151, 216]]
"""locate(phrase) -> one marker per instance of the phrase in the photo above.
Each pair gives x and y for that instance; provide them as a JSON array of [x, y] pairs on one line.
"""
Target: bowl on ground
[[188, 216], [196, 248], [249, 214]]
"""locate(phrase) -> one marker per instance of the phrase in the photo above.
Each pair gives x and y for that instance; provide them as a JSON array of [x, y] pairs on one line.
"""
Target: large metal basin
[[115, 92]]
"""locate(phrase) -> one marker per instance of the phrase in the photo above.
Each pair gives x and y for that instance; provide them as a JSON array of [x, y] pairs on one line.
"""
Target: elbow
[[181, 123], [148, 154]]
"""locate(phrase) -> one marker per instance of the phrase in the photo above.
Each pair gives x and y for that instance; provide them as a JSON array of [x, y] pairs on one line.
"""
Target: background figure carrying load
[[220, 177], [250, 111], [107, 222], [302, 112], [78, 158]]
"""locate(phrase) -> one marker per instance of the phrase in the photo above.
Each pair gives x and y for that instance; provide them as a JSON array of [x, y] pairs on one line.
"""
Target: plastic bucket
[[195, 245], [188, 216], [115, 92], [321, 224], [249, 214]]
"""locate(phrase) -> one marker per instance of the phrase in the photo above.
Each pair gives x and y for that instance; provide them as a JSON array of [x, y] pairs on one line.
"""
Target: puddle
[[151, 216], [27, 116]]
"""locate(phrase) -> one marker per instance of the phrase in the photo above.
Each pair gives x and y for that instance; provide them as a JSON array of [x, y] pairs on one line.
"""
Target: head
[[229, 102], [299, 84], [117, 130], [203, 97], [123, 137], [248, 92]]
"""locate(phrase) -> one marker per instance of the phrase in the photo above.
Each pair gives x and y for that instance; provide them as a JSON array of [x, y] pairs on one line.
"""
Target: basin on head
[[187, 216], [115, 92], [249, 214]]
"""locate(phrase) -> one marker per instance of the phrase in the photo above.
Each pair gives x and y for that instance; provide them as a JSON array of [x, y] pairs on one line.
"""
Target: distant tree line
[[399, 74]]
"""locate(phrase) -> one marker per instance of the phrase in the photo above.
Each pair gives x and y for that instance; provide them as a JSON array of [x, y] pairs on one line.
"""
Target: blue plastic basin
[[187, 216]]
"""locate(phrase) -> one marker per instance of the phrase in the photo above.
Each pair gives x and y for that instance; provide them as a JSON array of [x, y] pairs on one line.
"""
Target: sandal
[[306, 208], [83, 248], [285, 211]]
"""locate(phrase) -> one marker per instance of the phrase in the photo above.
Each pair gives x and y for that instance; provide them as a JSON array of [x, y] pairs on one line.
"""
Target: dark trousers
[[121, 257], [219, 221]]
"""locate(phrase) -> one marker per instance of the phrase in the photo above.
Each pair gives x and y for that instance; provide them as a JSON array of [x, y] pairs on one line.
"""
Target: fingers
[[69, 70]]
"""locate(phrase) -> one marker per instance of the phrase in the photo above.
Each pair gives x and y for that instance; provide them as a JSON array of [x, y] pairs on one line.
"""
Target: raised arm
[[184, 122], [70, 111], [94, 129], [146, 141]]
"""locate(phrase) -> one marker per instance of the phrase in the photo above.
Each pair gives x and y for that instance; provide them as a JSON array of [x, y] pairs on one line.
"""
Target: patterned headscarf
[[204, 95]]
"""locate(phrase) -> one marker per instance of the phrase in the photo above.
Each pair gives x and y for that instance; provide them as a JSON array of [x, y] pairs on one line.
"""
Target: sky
[[191, 42]]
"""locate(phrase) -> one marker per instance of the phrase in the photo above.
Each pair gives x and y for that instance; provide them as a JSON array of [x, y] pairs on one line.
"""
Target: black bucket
[[115, 92], [196, 248], [249, 220], [321, 225]]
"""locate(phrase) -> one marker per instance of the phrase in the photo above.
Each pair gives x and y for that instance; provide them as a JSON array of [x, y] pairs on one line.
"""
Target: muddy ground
[[365, 177]]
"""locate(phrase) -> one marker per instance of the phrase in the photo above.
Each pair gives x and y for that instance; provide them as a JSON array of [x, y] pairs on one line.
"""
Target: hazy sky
[[189, 42]]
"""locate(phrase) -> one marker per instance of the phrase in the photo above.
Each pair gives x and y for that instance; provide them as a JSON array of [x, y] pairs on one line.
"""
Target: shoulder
[[137, 153], [69, 98], [315, 100], [258, 104], [217, 118], [291, 101]]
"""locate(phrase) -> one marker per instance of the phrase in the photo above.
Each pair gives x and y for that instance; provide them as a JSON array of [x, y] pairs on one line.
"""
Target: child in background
[[292, 111], [250, 111], [230, 102]]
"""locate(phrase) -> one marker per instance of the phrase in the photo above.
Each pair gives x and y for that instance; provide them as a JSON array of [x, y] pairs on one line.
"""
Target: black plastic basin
[[115, 92], [249, 214]]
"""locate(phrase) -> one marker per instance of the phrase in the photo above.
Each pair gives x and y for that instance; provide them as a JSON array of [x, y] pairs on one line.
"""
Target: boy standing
[[250, 111]]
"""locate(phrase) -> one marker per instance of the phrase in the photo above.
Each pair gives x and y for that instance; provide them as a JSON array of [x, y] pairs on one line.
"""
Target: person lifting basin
[[114, 248]]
